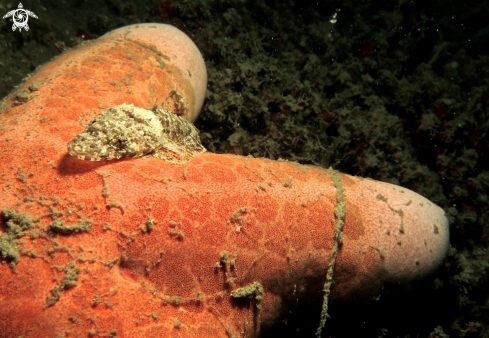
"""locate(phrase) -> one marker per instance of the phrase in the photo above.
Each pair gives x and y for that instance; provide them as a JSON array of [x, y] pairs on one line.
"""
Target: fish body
[[128, 131]]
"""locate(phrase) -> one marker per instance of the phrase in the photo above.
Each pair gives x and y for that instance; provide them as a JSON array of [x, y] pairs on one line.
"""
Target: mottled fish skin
[[128, 131]]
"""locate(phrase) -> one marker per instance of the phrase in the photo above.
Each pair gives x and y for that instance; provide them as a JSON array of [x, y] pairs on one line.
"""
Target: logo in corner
[[20, 17]]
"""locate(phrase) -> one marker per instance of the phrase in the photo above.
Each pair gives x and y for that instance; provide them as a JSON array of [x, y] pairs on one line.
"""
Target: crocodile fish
[[128, 131]]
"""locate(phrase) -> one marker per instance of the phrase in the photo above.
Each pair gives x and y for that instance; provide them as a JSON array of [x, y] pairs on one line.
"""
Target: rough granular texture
[[128, 131], [299, 94]]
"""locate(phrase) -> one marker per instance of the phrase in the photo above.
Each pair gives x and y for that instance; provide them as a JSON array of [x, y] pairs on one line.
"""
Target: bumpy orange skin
[[274, 219], [114, 69]]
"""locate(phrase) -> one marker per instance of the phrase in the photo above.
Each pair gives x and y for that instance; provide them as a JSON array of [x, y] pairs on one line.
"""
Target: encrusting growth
[[339, 212], [134, 232]]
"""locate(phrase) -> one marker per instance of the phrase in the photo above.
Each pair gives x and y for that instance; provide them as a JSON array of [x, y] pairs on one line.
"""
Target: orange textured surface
[[156, 249]]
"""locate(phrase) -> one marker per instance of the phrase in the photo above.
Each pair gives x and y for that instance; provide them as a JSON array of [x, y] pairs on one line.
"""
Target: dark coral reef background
[[393, 90]]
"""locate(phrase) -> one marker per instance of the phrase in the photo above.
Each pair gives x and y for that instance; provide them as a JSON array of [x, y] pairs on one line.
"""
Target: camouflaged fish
[[128, 131]]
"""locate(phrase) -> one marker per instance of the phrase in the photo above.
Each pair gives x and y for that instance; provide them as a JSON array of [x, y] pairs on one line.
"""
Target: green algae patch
[[177, 300], [35, 86], [398, 211], [340, 212], [3, 107], [112, 262], [252, 290], [105, 191], [84, 225], [54, 213], [238, 216], [150, 223], [287, 183], [153, 315], [70, 279], [96, 300], [17, 225], [22, 97], [115, 204]]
